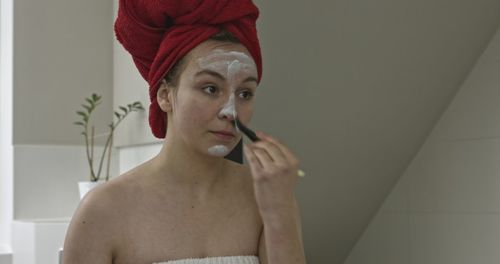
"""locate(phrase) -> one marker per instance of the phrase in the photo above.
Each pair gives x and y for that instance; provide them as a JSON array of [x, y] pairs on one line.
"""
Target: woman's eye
[[210, 89], [247, 95]]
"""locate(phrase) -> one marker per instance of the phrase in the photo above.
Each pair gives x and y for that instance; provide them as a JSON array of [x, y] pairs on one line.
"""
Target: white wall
[[38, 242], [445, 209], [131, 156], [6, 152], [47, 188]]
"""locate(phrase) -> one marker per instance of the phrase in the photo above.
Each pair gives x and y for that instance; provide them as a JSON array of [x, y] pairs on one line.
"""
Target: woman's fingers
[[284, 150], [272, 150], [270, 156], [263, 157], [252, 158]]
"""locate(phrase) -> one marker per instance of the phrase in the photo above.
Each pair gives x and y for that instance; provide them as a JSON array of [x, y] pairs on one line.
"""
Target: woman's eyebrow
[[210, 72], [251, 79], [219, 76]]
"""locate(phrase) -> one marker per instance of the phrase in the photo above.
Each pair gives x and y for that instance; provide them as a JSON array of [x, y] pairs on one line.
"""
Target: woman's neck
[[198, 174]]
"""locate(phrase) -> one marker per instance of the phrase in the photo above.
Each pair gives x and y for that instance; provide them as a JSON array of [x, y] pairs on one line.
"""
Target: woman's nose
[[227, 113], [228, 110]]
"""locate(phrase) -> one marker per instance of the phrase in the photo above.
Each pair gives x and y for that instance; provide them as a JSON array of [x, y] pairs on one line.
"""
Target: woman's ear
[[164, 96]]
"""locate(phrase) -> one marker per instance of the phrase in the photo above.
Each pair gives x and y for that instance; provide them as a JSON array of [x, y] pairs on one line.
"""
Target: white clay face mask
[[233, 66], [218, 150]]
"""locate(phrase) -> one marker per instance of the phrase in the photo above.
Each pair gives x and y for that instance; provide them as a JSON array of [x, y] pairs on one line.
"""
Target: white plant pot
[[86, 186]]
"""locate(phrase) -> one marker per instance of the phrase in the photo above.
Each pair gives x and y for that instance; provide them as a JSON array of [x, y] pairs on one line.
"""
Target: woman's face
[[218, 83]]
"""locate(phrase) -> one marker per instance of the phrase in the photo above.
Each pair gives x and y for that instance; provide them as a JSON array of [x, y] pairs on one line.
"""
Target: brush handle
[[247, 131]]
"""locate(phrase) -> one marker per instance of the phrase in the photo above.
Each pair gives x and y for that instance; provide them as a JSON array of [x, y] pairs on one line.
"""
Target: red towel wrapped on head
[[158, 33]]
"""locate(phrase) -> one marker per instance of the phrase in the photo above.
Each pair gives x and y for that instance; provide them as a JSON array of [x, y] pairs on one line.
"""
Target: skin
[[189, 202]]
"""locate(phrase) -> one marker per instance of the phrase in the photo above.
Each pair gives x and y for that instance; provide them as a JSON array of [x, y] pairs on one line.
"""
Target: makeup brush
[[252, 136]]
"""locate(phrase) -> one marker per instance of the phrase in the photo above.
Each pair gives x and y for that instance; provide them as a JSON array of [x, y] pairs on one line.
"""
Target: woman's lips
[[222, 135]]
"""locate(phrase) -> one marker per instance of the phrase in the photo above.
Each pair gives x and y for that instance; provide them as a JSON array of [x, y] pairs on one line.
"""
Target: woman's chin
[[219, 150]]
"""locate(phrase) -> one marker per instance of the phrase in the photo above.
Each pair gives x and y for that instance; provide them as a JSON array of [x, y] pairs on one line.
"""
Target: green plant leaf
[[88, 108], [79, 124], [117, 115], [136, 106], [123, 109], [90, 102], [81, 113]]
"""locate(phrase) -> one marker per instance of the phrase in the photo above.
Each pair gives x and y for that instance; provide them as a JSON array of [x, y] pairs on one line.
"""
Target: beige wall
[[63, 53], [446, 207]]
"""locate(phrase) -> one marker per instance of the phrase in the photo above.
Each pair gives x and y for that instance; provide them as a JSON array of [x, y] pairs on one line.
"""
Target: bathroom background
[[393, 108]]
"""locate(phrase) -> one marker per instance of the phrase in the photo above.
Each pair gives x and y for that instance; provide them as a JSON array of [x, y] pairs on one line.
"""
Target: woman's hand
[[274, 171]]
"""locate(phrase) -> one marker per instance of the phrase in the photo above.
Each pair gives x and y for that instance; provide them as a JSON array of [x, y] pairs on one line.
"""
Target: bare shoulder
[[107, 201], [93, 233]]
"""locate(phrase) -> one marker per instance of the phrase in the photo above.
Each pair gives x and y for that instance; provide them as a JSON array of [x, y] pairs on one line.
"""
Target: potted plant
[[88, 133]]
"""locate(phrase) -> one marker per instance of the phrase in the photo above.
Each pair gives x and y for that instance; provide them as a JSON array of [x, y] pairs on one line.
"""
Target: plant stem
[[109, 157], [106, 146], [89, 159], [108, 141], [92, 154], [92, 144]]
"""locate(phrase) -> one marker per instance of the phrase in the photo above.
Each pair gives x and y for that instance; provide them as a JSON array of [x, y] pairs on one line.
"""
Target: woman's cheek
[[245, 111], [199, 110]]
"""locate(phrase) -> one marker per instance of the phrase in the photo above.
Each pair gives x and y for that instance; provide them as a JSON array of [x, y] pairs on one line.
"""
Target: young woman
[[189, 204]]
